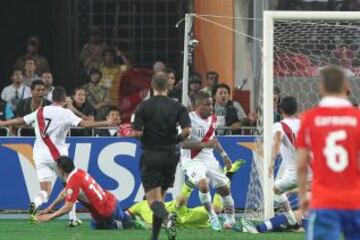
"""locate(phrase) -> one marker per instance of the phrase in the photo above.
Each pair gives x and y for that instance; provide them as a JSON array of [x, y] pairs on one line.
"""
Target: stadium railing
[[219, 131]]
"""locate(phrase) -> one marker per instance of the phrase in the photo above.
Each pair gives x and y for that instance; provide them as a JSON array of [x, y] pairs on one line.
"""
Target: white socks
[[228, 203], [41, 197], [72, 213], [205, 199], [285, 207]]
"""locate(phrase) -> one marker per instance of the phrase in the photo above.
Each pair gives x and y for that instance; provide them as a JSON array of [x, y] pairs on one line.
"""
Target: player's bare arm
[[13, 122], [275, 151], [227, 160], [91, 124], [302, 159], [63, 210], [187, 144], [58, 200]]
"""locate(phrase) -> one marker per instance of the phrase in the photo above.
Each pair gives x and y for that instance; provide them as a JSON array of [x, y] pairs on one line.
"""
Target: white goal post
[[269, 20]]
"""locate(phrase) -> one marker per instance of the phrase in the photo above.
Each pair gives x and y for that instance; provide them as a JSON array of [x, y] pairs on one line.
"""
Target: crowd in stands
[[113, 86]]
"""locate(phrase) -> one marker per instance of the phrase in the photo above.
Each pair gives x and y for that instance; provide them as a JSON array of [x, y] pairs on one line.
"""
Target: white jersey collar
[[334, 102], [71, 174]]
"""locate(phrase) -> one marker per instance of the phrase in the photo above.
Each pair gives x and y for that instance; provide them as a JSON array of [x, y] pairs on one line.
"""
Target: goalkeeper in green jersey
[[186, 217]]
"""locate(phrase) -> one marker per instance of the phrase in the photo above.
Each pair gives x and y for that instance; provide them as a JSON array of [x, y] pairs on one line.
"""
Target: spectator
[[96, 96], [28, 105], [159, 66], [30, 70], [112, 113], [47, 79], [195, 83], [16, 91], [212, 78], [174, 92], [277, 101], [33, 47], [111, 71], [315, 5], [83, 109], [230, 113], [91, 53]]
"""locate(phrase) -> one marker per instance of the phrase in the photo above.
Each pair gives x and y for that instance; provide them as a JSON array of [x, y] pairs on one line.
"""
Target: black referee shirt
[[157, 118]]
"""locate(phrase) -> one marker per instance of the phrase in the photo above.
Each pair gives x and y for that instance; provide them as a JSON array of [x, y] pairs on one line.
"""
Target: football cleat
[[248, 226], [138, 223], [74, 223], [235, 166], [232, 226], [171, 226], [215, 223], [32, 213]]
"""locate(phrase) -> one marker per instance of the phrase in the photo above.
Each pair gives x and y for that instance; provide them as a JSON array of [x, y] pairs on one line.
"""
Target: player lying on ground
[[200, 165], [105, 209], [51, 124], [186, 217]]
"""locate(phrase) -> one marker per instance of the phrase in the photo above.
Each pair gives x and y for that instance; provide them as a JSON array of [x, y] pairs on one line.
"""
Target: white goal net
[[296, 45]]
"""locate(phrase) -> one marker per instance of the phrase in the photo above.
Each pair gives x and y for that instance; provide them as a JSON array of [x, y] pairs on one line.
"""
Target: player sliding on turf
[[105, 209], [186, 217], [51, 124], [199, 163]]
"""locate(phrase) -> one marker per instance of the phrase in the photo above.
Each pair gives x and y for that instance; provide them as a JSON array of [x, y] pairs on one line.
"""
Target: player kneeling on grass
[[200, 165], [105, 209]]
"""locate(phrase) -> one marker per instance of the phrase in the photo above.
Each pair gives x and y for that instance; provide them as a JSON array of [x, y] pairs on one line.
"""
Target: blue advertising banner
[[113, 162]]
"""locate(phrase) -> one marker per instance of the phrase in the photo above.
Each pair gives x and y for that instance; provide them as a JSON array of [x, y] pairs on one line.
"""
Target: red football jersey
[[331, 132], [81, 186]]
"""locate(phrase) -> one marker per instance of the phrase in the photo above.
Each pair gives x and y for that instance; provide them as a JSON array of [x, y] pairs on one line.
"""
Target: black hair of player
[[160, 81], [59, 94], [221, 85], [288, 105], [66, 164], [333, 79], [35, 83], [200, 97]]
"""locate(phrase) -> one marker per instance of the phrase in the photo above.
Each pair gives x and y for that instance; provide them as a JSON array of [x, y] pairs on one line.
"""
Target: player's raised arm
[[92, 124]]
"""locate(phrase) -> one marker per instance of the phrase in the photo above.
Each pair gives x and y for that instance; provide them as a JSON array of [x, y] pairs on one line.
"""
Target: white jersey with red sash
[[288, 128], [202, 130], [51, 124]]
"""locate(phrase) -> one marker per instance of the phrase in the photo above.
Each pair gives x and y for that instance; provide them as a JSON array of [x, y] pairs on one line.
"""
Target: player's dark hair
[[288, 105], [221, 85], [333, 79], [66, 164], [200, 97], [35, 83], [160, 81], [58, 94]]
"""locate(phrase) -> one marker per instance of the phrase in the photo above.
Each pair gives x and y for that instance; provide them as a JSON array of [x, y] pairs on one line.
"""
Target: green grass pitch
[[58, 230]]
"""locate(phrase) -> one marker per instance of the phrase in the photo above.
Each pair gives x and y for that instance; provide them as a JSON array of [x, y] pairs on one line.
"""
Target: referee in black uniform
[[156, 121]]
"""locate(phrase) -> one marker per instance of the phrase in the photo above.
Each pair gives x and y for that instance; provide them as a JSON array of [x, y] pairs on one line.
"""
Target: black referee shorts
[[158, 168]]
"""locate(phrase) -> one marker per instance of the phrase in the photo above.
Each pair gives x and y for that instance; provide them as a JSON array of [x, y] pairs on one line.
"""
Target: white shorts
[[46, 170], [197, 169], [286, 181]]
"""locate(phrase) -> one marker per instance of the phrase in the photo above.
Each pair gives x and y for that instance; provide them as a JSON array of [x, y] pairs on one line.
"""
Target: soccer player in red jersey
[[328, 140], [105, 209]]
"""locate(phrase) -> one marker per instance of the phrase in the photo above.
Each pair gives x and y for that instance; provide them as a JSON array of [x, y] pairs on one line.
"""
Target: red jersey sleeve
[[72, 189], [302, 140]]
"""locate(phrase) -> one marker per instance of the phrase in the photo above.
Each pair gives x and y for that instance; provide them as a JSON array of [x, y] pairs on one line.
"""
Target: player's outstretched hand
[[45, 211], [43, 218], [228, 163]]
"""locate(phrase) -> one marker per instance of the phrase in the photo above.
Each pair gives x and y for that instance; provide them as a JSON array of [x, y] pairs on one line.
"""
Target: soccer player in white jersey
[[284, 133], [51, 124], [200, 165]]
